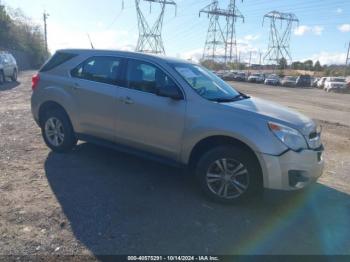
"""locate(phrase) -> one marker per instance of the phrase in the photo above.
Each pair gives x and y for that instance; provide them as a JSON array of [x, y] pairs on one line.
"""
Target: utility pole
[[239, 61], [45, 16], [280, 33], [150, 37], [250, 62], [347, 60], [260, 56]]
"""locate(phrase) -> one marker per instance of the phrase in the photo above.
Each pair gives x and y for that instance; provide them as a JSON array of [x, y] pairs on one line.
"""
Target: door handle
[[76, 86], [127, 100]]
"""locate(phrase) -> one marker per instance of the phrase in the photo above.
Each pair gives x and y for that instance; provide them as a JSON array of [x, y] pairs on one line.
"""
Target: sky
[[322, 34]]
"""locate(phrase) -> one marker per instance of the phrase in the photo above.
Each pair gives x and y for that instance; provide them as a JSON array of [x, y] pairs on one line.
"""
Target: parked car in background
[[335, 84], [314, 81], [272, 80], [348, 82], [150, 106], [8, 67], [256, 78], [240, 76], [220, 73], [229, 76], [289, 81], [303, 81], [320, 82]]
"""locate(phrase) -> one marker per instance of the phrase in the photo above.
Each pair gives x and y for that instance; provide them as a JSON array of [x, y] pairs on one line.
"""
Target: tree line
[[20, 33]]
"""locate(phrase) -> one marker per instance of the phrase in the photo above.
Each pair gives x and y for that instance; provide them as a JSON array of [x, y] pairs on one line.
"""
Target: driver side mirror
[[170, 91]]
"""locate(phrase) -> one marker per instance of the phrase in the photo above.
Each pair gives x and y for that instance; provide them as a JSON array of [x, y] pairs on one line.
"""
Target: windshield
[[290, 78], [205, 83], [338, 80]]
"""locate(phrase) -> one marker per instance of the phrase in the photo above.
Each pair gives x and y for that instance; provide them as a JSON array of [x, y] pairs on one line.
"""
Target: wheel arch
[[50, 106], [210, 142]]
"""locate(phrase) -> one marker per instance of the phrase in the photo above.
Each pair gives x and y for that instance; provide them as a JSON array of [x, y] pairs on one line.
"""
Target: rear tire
[[229, 174], [58, 132]]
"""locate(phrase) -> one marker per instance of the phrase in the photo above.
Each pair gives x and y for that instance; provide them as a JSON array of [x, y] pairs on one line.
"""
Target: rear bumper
[[292, 170]]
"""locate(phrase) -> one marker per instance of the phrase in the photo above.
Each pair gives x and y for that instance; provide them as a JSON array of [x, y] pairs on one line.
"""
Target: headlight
[[292, 138]]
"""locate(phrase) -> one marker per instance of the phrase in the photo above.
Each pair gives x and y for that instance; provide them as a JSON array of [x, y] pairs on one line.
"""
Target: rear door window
[[103, 69]]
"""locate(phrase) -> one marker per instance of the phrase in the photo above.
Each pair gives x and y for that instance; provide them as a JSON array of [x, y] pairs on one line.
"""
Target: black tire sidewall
[[69, 136], [14, 75], [2, 79], [240, 155]]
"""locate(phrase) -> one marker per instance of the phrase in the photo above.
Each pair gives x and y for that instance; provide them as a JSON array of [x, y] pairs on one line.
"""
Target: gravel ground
[[95, 201]]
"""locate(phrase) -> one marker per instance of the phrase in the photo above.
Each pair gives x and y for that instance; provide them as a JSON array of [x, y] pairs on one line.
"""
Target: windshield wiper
[[230, 99]]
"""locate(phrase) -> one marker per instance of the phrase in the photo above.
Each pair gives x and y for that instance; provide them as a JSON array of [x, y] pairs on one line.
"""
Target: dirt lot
[[95, 201]]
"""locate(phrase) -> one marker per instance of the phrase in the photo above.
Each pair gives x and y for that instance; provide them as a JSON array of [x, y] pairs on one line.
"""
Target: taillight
[[35, 81]]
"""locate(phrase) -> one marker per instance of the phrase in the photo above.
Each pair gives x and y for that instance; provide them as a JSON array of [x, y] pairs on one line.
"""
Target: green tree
[[18, 32], [297, 65], [318, 66], [5, 25], [282, 63], [308, 65]]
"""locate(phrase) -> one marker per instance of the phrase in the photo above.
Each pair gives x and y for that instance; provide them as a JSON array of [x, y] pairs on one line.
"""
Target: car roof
[[126, 53]]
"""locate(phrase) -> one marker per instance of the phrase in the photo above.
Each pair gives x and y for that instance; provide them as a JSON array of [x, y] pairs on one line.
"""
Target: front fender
[[243, 127]]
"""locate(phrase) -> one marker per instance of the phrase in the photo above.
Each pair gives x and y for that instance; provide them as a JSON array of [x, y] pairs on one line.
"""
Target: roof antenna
[[92, 45]]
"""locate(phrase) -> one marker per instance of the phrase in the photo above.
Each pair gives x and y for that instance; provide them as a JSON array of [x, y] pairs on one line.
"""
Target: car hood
[[274, 112]]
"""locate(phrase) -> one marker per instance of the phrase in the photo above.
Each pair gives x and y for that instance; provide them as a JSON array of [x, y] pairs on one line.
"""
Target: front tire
[[14, 75], [229, 174], [58, 132], [2, 78]]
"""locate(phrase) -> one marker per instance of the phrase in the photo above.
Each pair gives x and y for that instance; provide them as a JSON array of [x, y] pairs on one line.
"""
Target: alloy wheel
[[227, 178], [54, 131]]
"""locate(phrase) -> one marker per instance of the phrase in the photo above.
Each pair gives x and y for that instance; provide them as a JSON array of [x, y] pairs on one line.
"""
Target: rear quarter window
[[58, 59]]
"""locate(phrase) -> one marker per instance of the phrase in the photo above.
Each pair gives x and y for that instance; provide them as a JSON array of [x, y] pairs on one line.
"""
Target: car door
[[95, 88], [147, 121]]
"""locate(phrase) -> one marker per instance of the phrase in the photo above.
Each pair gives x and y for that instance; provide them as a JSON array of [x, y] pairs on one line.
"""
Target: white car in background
[[256, 78], [320, 83], [335, 83], [272, 80]]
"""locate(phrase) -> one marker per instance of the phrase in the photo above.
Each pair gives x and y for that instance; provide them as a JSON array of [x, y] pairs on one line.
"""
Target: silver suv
[[178, 112], [8, 67]]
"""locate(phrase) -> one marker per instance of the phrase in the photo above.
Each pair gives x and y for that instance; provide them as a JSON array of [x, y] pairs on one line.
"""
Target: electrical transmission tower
[[231, 41], [150, 37], [281, 25], [348, 56], [221, 40]]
